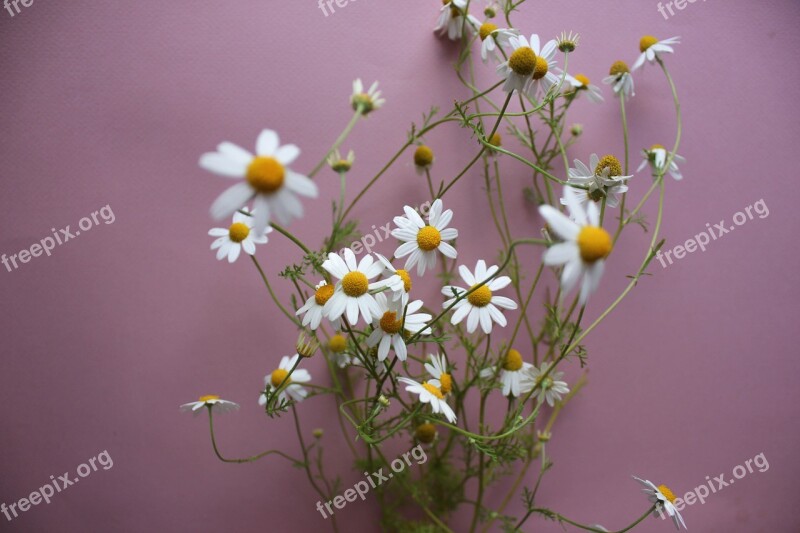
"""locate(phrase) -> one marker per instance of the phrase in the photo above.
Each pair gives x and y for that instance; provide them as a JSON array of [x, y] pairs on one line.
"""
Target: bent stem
[[252, 458]]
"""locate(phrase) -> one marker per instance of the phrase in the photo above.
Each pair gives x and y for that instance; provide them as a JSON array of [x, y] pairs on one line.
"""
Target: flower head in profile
[[422, 242], [581, 84], [239, 236], [650, 47], [585, 244], [567, 42], [493, 39], [366, 101], [396, 319], [601, 178], [664, 500], [437, 368], [514, 374], [289, 381], [656, 156], [351, 296], [339, 163], [399, 282], [264, 178], [551, 387], [423, 159], [481, 305], [211, 401], [453, 18], [620, 79], [312, 310], [430, 392]]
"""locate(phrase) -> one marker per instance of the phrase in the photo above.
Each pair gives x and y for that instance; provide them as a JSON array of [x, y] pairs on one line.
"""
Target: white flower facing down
[[585, 246], [351, 295], [239, 236], [529, 68], [368, 101], [603, 177], [620, 79], [452, 21], [422, 241], [514, 374], [312, 310], [213, 401], [656, 157], [664, 500], [481, 305], [399, 282], [551, 387], [582, 84], [430, 392], [437, 368], [389, 327], [650, 47], [292, 387], [266, 179], [493, 39]]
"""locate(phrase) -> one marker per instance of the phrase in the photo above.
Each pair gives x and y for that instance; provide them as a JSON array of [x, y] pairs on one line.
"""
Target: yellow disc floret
[[496, 140], [619, 68], [608, 166], [390, 324], [423, 156], [486, 29], [265, 174], [646, 42], [523, 61], [436, 391], [238, 231], [278, 376], [667, 493], [584, 81], [209, 397], [513, 361], [406, 279], [480, 297], [446, 381], [540, 70], [657, 147], [594, 243], [323, 294], [425, 433], [355, 284], [428, 238], [337, 343]]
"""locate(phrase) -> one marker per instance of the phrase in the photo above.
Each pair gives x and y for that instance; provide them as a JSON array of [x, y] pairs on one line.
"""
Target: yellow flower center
[[496, 140], [513, 361], [265, 174], [540, 69], [355, 284], [209, 397], [337, 343], [523, 61], [433, 390], [594, 243], [618, 68], [429, 238], [667, 493], [486, 29], [277, 377], [657, 147], [610, 163], [425, 433], [390, 324], [582, 79], [646, 42], [238, 231], [323, 294], [447, 383], [406, 279], [480, 297], [423, 156]]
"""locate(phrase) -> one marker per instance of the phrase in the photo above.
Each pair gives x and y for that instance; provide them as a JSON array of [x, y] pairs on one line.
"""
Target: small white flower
[[551, 387], [339, 163], [215, 402], [368, 101], [664, 500], [437, 368], [430, 392], [452, 22], [399, 282], [421, 240], [620, 79], [238, 236], [582, 84], [529, 68], [265, 177], [390, 325], [351, 295], [656, 157], [585, 246], [650, 47], [493, 39], [292, 387], [481, 305], [312, 310], [603, 177], [514, 374]]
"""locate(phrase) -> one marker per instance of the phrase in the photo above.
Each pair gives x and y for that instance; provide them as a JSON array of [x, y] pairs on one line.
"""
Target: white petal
[[267, 143]]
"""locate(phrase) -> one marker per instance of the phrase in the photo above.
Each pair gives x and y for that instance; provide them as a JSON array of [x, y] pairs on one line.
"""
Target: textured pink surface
[[105, 103]]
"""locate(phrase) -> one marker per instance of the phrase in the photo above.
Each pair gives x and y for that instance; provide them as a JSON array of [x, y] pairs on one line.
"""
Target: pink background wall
[[111, 103]]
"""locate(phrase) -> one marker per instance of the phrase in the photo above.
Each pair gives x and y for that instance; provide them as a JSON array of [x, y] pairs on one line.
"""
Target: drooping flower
[[290, 384], [650, 47], [664, 500], [430, 392], [620, 79], [656, 157]]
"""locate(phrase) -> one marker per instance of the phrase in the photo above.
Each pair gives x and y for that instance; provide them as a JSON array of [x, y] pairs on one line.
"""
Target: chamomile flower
[[421, 241], [425, 433], [656, 157], [513, 374], [312, 310], [603, 177], [212, 401], [481, 305], [585, 246], [292, 387], [240, 235], [339, 163], [453, 18], [437, 368], [423, 159], [390, 326], [620, 79], [351, 295], [366, 101], [493, 39], [582, 84], [551, 387], [529, 68], [266, 179], [430, 392], [650, 47], [399, 282], [664, 500]]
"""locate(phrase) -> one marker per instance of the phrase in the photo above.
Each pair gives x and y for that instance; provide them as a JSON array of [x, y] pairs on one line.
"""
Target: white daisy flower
[[664, 500], [421, 240], [399, 282], [389, 327], [585, 246], [603, 177], [430, 392], [292, 387], [213, 401], [481, 305], [451, 19], [437, 368], [368, 101], [656, 157], [266, 179], [528, 68], [650, 47], [581, 83], [514, 374], [493, 39], [551, 387], [351, 295], [238, 236], [620, 79], [312, 310]]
